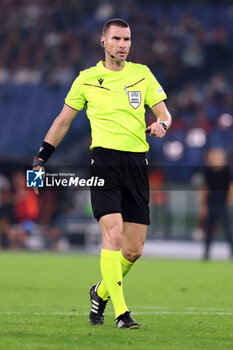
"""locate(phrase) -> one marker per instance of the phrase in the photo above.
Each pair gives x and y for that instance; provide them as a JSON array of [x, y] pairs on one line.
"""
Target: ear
[[102, 41]]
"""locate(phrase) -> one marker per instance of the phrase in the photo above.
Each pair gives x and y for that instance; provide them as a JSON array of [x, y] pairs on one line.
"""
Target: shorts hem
[[106, 213], [137, 221]]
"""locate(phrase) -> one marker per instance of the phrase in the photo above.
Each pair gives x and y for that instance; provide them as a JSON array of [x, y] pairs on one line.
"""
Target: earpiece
[[102, 44]]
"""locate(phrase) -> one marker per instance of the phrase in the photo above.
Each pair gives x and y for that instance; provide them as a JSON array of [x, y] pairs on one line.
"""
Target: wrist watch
[[164, 126]]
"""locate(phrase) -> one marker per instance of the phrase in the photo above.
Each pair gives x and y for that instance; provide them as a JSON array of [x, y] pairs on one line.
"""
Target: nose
[[122, 43]]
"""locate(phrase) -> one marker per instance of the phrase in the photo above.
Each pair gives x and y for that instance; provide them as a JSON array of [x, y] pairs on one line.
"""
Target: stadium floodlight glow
[[225, 121], [173, 150], [196, 138]]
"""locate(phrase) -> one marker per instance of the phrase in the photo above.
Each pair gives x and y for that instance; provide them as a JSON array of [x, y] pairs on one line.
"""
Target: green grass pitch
[[44, 304]]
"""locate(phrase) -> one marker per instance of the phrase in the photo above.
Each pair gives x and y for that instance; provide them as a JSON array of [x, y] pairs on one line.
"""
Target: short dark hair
[[116, 22]]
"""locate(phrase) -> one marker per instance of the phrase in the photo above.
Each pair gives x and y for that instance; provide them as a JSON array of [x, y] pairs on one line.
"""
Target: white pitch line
[[152, 307], [183, 313], [200, 309], [134, 313]]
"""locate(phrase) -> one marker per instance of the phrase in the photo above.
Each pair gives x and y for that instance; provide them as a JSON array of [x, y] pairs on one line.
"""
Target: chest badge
[[134, 98]]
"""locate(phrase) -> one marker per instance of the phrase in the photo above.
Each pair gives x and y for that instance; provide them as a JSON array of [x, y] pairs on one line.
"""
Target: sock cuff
[[124, 261], [110, 254]]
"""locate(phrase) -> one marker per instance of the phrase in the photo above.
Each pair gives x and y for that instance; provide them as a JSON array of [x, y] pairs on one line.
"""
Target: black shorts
[[126, 187]]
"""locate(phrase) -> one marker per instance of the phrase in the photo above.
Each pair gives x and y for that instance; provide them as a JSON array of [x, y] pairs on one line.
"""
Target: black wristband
[[45, 151], [164, 126]]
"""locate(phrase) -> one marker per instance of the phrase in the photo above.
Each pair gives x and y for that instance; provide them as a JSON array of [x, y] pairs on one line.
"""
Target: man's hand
[[156, 129], [35, 189]]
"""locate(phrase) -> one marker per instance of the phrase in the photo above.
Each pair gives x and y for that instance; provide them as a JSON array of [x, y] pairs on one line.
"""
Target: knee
[[133, 254]]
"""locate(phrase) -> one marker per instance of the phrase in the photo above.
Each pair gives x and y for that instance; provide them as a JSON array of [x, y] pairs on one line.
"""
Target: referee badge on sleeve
[[134, 98]]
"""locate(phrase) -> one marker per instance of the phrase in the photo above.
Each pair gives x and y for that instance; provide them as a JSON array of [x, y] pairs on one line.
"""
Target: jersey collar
[[101, 67]]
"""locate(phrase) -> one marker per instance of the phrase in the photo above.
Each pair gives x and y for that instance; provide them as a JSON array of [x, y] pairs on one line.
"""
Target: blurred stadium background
[[43, 46]]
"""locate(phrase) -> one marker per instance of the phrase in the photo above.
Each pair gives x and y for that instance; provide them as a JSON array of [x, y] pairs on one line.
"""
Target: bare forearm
[[162, 114], [165, 117], [56, 132], [60, 126], [164, 120]]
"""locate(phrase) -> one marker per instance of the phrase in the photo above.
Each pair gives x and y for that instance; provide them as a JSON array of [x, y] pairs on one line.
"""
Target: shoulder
[[138, 67], [86, 73], [89, 71], [140, 70]]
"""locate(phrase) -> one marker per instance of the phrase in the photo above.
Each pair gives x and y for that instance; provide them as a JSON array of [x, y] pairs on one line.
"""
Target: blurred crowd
[[21, 210], [51, 41], [28, 221], [43, 46]]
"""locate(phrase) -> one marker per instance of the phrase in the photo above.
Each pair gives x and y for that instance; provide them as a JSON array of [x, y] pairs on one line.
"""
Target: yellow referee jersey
[[115, 103]]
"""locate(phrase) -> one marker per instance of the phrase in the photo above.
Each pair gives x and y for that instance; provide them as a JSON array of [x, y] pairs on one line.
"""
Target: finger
[[159, 132], [36, 191], [155, 132]]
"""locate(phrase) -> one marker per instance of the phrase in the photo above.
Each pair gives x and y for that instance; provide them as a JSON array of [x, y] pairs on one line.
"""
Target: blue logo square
[[35, 178]]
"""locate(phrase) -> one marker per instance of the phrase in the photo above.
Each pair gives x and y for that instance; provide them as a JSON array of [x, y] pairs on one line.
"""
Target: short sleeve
[[154, 91], [75, 98]]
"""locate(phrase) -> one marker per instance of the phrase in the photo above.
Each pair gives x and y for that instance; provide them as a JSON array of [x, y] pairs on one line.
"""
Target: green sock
[[112, 276], [126, 266]]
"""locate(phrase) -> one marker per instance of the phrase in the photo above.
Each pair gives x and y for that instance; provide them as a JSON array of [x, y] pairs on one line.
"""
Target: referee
[[114, 93]]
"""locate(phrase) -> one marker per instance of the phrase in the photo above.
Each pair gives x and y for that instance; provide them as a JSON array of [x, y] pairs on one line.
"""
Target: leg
[[133, 239], [132, 242], [227, 228], [134, 236], [112, 228], [211, 219]]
